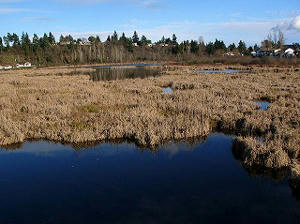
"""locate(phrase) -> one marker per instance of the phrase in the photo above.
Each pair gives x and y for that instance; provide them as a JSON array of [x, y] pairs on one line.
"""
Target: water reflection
[[167, 90], [225, 71], [124, 72], [181, 182], [127, 66], [257, 171], [264, 105]]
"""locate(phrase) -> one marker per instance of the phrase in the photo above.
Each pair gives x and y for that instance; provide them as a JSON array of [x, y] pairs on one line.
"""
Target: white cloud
[[10, 1], [289, 24], [296, 23], [11, 10], [36, 19], [150, 4]]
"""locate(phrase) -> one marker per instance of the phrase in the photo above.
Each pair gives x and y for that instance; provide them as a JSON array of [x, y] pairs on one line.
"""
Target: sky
[[228, 20]]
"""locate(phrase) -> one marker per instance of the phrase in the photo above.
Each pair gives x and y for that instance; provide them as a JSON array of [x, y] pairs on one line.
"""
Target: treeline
[[45, 50]]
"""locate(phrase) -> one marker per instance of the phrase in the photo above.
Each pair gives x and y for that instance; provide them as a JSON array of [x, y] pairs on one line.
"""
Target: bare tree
[[281, 39], [276, 38], [201, 40]]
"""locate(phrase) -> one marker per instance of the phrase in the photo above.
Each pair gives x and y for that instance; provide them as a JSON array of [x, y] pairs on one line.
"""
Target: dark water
[[263, 105], [118, 72], [225, 71], [126, 65], [180, 183]]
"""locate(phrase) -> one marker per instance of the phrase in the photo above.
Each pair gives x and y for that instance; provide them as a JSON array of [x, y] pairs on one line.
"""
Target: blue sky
[[229, 20]]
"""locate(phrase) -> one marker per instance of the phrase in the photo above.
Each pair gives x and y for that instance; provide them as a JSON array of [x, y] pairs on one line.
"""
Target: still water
[[264, 105], [118, 72], [167, 90], [118, 183], [225, 71]]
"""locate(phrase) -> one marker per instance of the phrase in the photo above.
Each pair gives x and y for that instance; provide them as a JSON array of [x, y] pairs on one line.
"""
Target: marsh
[[39, 104]]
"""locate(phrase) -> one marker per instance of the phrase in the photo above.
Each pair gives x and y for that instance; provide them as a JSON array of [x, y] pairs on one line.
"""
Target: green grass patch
[[90, 108], [80, 125]]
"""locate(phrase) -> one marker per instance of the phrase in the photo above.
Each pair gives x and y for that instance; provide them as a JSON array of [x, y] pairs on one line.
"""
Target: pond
[[126, 66], [183, 182], [167, 90], [225, 71], [264, 105], [119, 72]]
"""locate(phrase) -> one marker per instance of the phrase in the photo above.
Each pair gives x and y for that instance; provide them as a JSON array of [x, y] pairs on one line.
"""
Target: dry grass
[[37, 104]]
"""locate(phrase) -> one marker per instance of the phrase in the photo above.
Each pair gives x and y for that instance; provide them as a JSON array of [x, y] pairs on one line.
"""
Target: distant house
[[253, 54], [64, 43], [164, 45], [19, 66], [135, 44], [261, 53], [8, 67], [277, 53], [27, 65], [229, 54], [287, 46], [285, 51], [150, 45], [85, 43], [289, 53]]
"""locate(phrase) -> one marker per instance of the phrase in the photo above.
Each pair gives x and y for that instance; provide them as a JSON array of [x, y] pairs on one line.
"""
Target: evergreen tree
[[174, 39], [242, 47], [51, 38], [25, 40], [129, 45], [135, 38], [44, 41], [175, 47], [98, 39], [1, 44], [144, 41], [92, 39], [115, 37], [168, 40], [61, 38], [232, 47], [9, 38], [219, 45], [69, 38], [123, 38], [15, 39], [194, 46], [79, 40], [6, 41], [210, 48], [162, 40], [35, 40]]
